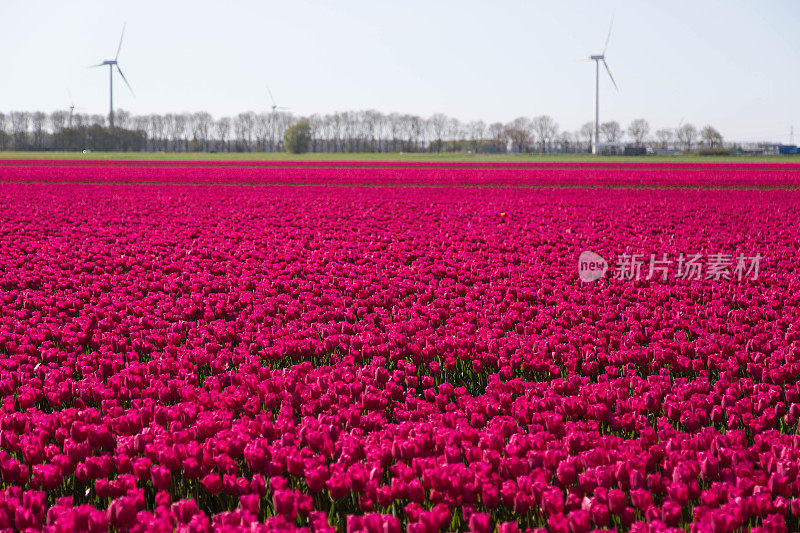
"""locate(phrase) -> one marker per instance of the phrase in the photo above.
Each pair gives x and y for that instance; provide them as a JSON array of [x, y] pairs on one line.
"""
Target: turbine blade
[[608, 36], [271, 97], [120, 41], [97, 65], [609, 74], [125, 80]]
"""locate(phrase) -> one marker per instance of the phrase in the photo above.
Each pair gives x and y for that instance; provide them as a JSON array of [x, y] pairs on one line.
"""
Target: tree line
[[348, 131]]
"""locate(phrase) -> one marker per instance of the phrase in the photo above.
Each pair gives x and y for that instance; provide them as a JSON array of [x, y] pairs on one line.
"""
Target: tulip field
[[388, 348]]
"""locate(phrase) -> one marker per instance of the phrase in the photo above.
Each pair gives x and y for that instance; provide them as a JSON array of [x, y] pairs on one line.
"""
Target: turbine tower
[[597, 59], [111, 64]]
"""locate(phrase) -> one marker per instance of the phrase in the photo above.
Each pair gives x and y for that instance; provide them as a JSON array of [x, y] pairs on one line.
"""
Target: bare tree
[[222, 129], [240, 131], [454, 132], [711, 137], [141, 123], [586, 133], [176, 130], [157, 129], [201, 128], [687, 135], [58, 120], [477, 132], [282, 121], [394, 125], [611, 131], [664, 136], [370, 129], [3, 131], [122, 119], [337, 131], [518, 132], [79, 120], [315, 123], [383, 130], [545, 129], [245, 125], [97, 120], [437, 124], [20, 123], [638, 131], [496, 133], [418, 131], [38, 123], [566, 142]]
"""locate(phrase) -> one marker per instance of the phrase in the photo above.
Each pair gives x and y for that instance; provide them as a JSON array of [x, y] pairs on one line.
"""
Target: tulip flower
[[429, 352]]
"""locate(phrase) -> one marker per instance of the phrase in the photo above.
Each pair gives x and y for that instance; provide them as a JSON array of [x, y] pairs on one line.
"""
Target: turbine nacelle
[[597, 58]]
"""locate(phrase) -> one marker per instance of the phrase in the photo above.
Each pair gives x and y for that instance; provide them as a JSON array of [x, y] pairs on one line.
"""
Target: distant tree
[[243, 124], [566, 142], [122, 119], [3, 131], [664, 136], [79, 119], [156, 127], [413, 127], [140, 123], [297, 137], [382, 132], [180, 123], [586, 133], [261, 130], [687, 135], [454, 130], [496, 130], [638, 130], [58, 120], [315, 128], [611, 131], [201, 129], [438, 124], [222, 128], [545, 129], [38, 120], [711, 137], [97, 120], [477, 132], [282, 122], [518, 132], [20, 122]]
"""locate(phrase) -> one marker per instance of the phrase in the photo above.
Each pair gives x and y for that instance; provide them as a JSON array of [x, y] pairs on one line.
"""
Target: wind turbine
[[111, 64], [597, 59], [274, 109], [71, 107]]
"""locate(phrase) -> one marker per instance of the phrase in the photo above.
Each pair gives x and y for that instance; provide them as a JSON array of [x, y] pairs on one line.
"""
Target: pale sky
[[733, 64]]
